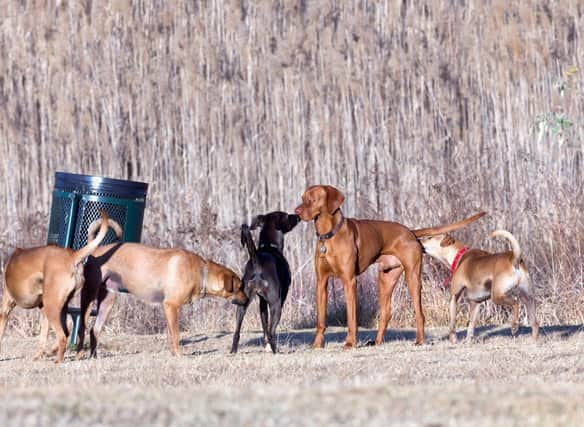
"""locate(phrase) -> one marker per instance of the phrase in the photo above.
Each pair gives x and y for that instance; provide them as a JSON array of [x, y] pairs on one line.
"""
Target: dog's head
[[273, 227], [277, 220], [434, 245], [317, 200], [223, 282]]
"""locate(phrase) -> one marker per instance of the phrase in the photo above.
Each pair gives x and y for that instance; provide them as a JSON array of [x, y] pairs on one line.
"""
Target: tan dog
[[482, 275], [171, 277], [347, 247], [46, 277]]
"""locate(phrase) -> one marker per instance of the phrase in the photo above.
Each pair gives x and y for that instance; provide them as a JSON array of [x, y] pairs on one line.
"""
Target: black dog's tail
[[247, 241]]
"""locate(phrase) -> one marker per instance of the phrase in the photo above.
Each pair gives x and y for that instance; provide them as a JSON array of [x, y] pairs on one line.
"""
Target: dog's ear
[[334, 198], [258, 221], [229, 283], [244, 233], [288, 222], [446, 241]]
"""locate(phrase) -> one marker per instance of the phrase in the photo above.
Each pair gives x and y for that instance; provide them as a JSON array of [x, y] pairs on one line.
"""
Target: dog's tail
[[515, 248], [88, 249], [247, 241], [431, 231], [96, 225]]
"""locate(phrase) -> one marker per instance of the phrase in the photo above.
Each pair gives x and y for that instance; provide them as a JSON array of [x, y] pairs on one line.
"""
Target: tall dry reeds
[[421, 112]]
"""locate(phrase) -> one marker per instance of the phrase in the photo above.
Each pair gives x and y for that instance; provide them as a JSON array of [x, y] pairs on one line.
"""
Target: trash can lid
[[88, 184]]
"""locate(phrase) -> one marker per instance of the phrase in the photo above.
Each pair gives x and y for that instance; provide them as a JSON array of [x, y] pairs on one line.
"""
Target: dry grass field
[[498, 380], [420, 112]]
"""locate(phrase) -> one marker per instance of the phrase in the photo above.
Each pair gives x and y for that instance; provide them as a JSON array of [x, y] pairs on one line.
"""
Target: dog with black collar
[[267, 273]]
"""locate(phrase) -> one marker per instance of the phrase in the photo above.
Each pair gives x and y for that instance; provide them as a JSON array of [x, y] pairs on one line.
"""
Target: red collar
[[457, 257]]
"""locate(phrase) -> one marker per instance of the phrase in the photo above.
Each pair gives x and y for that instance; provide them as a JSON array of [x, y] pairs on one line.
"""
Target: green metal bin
[[77, 200]]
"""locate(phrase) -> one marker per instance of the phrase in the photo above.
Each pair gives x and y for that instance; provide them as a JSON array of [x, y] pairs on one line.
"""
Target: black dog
[[267, 272]]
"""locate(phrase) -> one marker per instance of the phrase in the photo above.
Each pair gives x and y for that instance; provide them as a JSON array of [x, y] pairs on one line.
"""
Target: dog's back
[[266, 266]]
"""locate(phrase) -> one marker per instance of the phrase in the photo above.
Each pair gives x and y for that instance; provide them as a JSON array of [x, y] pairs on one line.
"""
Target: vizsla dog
[[171, 277], [346, 247], [482, 275], [267, 272], [47, 277]]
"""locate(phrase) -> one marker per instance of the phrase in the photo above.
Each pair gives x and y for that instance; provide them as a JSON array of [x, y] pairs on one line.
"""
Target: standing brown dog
[[169, 277], [346, 247], [46, 277], [502, 277]]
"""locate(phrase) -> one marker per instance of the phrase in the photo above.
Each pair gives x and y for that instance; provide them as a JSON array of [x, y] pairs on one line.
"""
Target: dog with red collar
[[502, 277]]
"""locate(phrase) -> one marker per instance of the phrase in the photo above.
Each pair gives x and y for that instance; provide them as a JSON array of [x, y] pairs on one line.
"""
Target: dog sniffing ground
[[498, 380]]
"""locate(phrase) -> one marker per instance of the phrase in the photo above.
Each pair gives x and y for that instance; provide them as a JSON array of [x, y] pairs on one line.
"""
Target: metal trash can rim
[[97, 184]]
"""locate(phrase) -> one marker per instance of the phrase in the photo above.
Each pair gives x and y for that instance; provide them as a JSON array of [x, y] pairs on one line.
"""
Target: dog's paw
[[318, 343], [349, 346], [40, 355]]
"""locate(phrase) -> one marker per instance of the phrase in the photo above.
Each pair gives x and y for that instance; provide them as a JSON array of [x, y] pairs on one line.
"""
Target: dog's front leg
[[350, 286], [321, 302], [241, 309], [171, 311], [453, 311]]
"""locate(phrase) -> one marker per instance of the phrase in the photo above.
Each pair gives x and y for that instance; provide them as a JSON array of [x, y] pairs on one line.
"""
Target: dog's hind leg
[[527, 298], [87, 297], [241, 309], [474, 312], [264, 318], [53, 315], [515, 318], [386, 282], [275, 314], [8, 305], [42, 337], [502, 294], [413, 280], [105, 302]]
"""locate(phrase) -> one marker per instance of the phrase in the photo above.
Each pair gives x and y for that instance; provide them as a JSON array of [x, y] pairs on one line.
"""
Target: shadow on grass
[[303, 338], [201, 338], [365, 337], [487, 332]]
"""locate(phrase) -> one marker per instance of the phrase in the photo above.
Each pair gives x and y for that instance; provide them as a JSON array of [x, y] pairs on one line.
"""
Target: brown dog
[[46, 277], [170, 277], [482, 276], [346, 247]]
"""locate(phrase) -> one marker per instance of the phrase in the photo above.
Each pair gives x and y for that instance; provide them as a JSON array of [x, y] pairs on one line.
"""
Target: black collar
[[269, 245], [335, 230]]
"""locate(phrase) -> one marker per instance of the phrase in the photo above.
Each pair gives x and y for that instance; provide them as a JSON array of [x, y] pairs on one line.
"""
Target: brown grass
[[421, 113], [498, 380]]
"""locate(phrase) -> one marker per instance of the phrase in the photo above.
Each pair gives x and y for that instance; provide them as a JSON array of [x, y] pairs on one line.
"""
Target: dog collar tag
[[322, 248]]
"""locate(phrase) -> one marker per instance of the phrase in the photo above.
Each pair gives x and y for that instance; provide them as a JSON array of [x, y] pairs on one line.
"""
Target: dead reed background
[[422, 113]]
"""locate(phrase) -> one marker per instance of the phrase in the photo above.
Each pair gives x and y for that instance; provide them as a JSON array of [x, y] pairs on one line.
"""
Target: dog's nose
[[298, 210]]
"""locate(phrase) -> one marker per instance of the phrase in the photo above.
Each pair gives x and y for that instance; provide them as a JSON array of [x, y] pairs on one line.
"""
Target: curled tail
[[93, 227], [431, 231], [515, 248], [88, 249], [247, 241]]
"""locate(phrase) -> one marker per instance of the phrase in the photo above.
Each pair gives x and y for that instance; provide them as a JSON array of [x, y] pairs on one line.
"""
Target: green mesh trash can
[[77, 200]]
